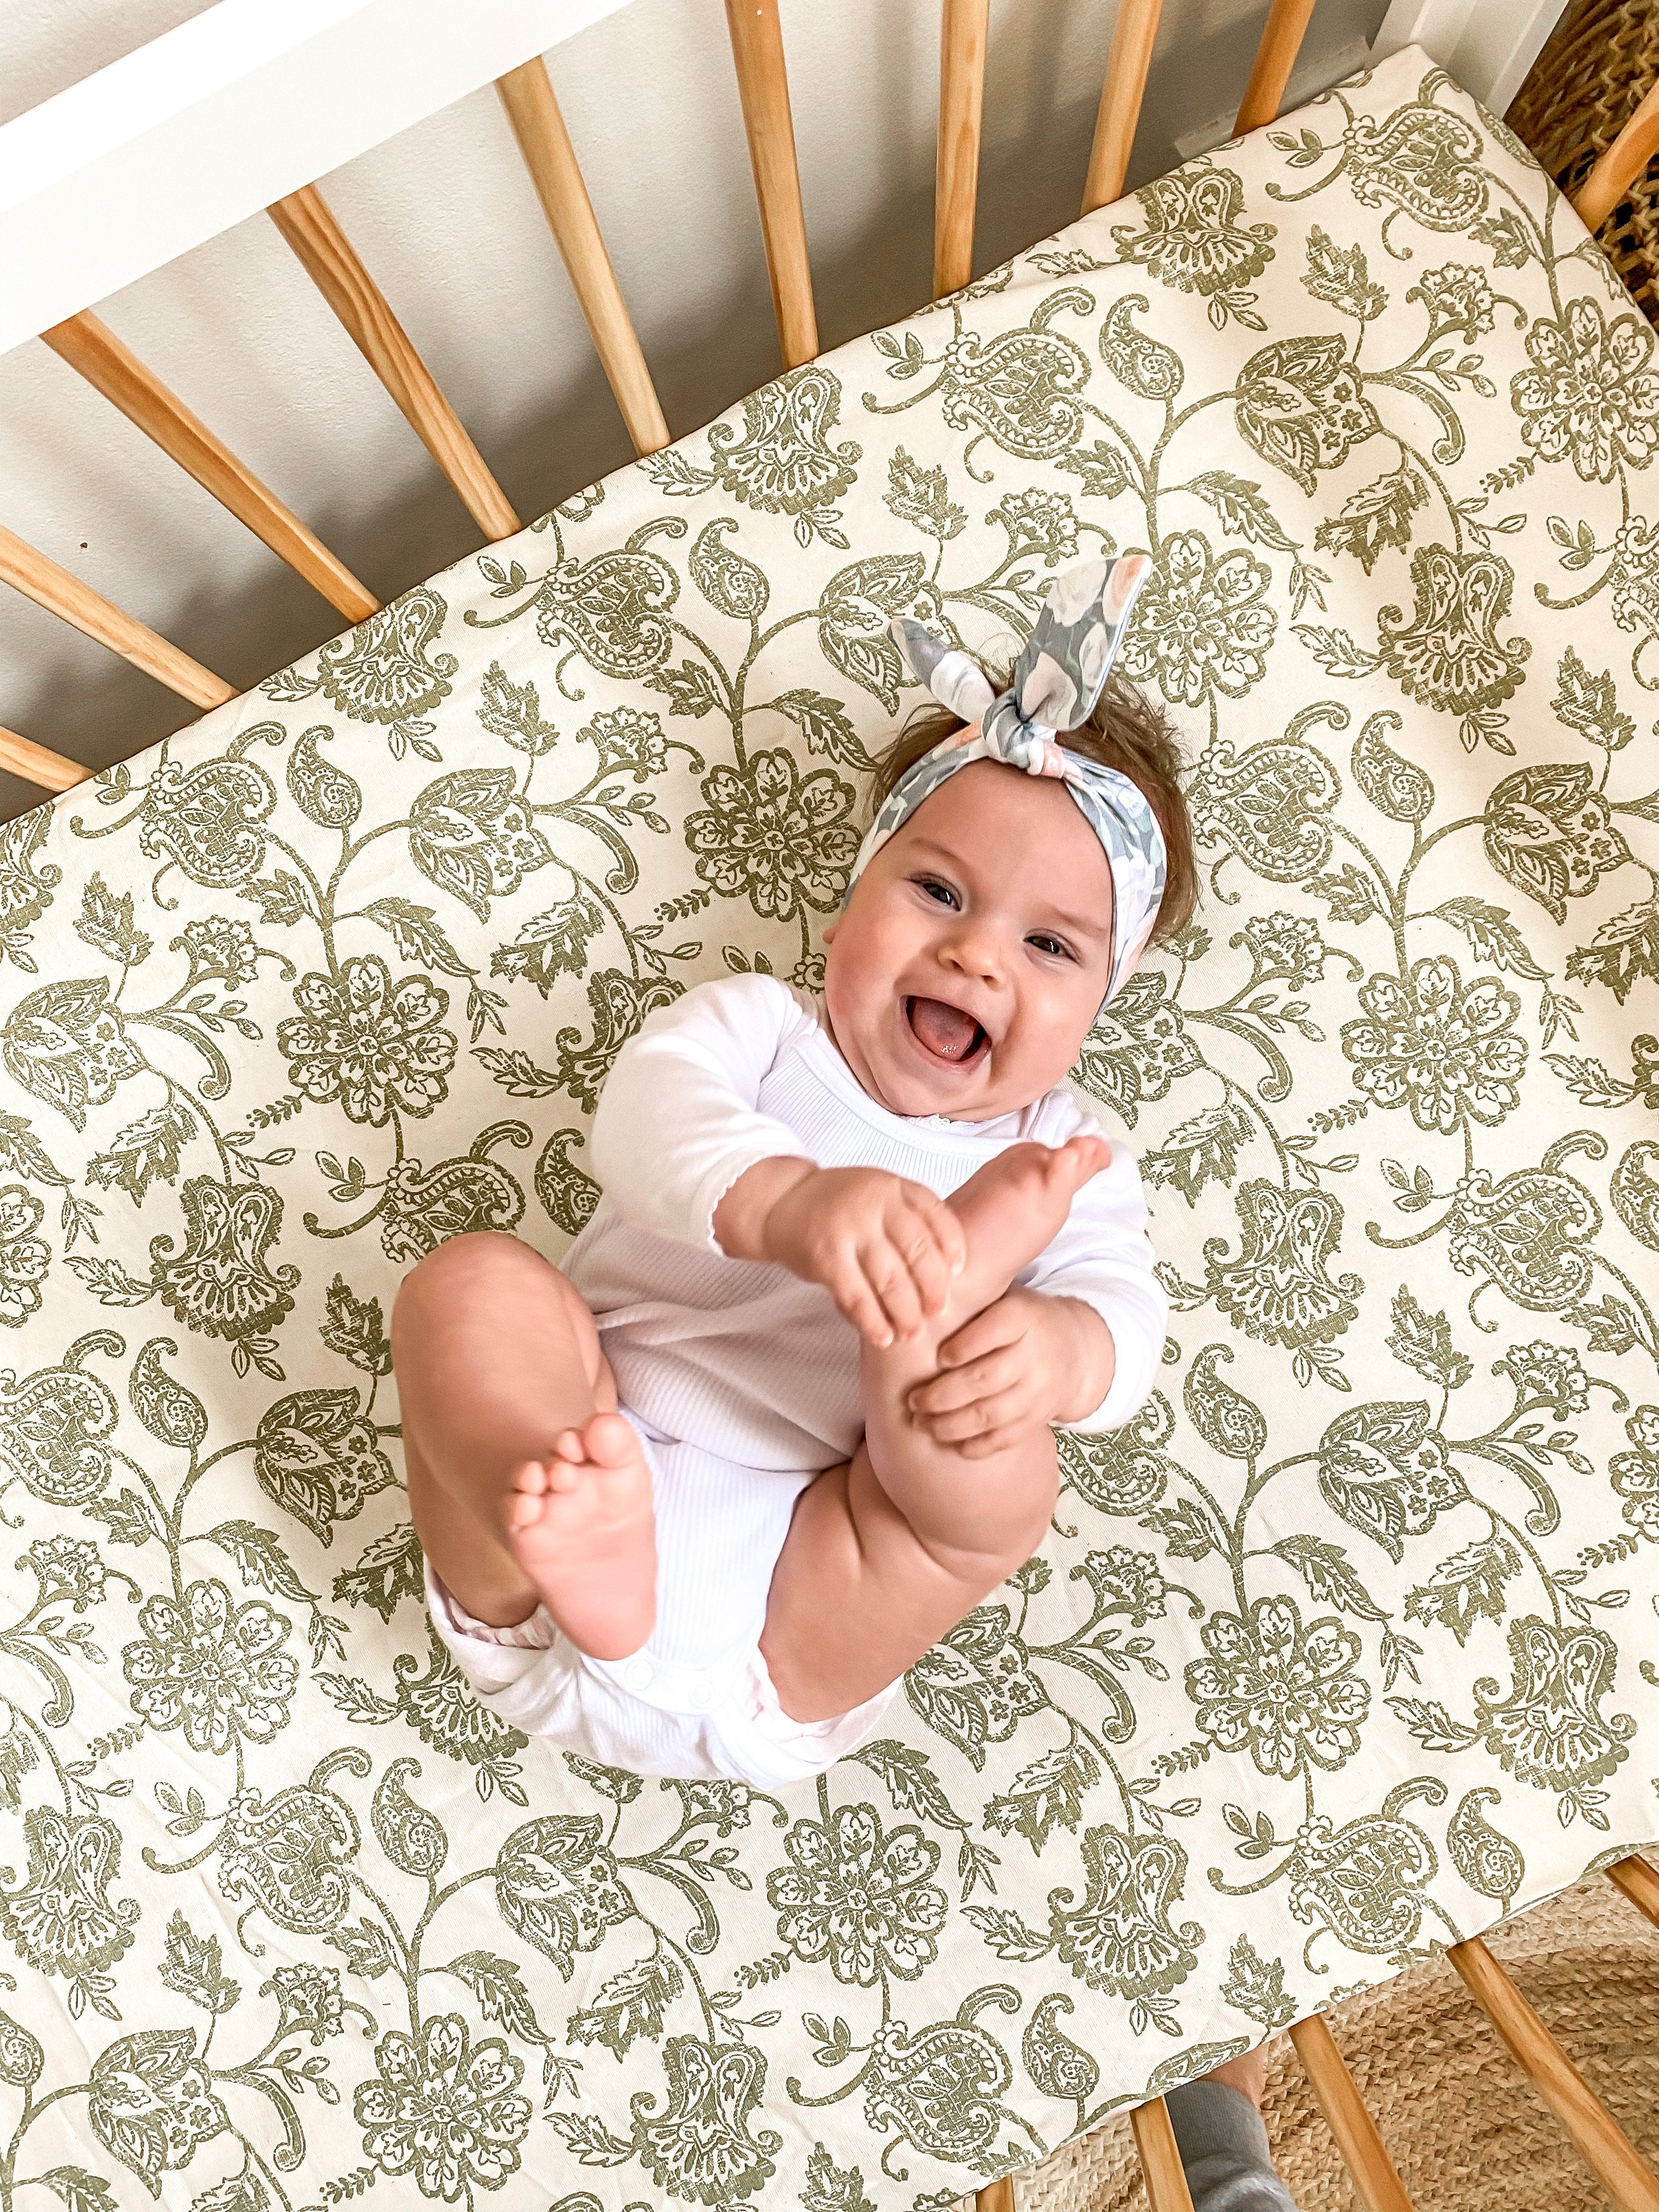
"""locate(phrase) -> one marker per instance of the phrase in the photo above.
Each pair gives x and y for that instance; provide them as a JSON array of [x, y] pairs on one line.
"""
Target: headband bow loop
[[1056, 681]]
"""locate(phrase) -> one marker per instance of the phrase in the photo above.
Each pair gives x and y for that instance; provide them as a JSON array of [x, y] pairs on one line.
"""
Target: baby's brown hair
[[1125, 731]]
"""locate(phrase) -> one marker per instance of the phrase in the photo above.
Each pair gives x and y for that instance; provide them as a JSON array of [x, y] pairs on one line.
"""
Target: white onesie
[[743, 1381]]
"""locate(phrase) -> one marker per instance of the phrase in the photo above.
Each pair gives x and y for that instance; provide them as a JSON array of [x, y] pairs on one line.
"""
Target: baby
[[693, 1504]]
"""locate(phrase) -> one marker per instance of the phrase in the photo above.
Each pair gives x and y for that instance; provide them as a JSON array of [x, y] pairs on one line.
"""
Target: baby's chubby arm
[[884, 1249]]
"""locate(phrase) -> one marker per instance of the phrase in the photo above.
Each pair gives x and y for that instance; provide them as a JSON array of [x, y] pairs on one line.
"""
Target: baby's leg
[[526, 1486], [887, 1553]]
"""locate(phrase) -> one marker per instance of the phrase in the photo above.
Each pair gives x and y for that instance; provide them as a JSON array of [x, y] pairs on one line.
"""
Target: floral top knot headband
[[1056, 681]]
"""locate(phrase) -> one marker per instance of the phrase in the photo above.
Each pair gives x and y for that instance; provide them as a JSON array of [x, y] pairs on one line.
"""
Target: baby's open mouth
[[944, 1030]]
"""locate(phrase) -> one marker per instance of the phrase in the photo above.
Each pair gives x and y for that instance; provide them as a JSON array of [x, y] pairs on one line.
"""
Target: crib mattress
[[1342, 1651]]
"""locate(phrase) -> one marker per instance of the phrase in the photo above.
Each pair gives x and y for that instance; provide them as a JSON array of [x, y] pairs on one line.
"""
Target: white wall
[[445, 217]]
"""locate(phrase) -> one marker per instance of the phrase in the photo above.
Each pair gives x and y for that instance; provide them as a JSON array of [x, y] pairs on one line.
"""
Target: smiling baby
[[692, 1504]]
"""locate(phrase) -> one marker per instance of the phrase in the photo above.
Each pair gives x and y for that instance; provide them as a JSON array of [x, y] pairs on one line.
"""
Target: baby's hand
[[885, 1249], [1023, 1361]]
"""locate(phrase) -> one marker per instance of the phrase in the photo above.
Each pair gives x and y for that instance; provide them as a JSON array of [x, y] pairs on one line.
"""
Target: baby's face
[[974, 954]]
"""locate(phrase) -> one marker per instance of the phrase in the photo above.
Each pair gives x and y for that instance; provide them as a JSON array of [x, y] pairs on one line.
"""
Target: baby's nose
[[977, 951]]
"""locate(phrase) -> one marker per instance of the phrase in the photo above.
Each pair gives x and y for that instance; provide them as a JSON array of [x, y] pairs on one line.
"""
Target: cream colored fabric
[[1344, 1650]]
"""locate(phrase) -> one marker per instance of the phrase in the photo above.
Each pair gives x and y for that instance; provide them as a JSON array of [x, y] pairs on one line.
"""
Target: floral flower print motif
[[443, 2110], [59, 1917], [1553, 1372], [1194, 239], [1039, 522], [24, 1257], [1138, 1047], [318, 1456], [310, 1998], [214, 1669], [558, 1886], [438, 1705], [287, 1855], [52, 1429], [67, 1567], [19, 1754], [218, 944], [1201, 625], [1387, 1472], [627, 739], [1287, 1695], [473, 834], [374, 1045], [1550, 1730], [67, 1045], [1448, 655], [1118, 1938], [1423, 160], [1445, 1051], [1526, 1233], [1289, 944], [700, 2148], [381, 671], [150, 2100], [1634, 576], [1279, 1289], [1550, 835], [782, 461], [860, 1900], [27, 882], [208, 819], [1636, 1473], [221, 1285], [785, 840], [1125, 1581], [1364, 1880], [1301, 403], [1592, 395], [1458, 298], [940, 2088]]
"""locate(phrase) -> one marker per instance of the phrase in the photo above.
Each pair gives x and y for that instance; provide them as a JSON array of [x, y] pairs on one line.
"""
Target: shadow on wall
[[93, 706]]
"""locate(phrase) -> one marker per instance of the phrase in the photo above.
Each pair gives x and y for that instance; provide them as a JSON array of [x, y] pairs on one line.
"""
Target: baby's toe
[[609, 1442]]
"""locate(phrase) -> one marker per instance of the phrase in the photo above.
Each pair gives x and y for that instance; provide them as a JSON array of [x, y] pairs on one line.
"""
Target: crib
[[1048, 393]]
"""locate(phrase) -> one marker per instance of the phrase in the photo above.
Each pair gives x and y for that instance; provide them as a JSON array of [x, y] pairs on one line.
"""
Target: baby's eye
[[1055, 947], [931, 888]]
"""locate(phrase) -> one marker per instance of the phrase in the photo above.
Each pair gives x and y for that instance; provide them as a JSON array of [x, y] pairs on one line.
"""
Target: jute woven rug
[[1463, 2124]]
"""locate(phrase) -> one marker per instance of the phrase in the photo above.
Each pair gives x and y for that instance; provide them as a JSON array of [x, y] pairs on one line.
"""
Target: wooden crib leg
[[41, 579], [1371, 2171], [50, 771], [93, 352], [996, 2195], [964, 28], [1160, 2161], [329, 258], [764, 88], [1596, 2135], [1275, 58], [1121, 95], [1640, 1882]]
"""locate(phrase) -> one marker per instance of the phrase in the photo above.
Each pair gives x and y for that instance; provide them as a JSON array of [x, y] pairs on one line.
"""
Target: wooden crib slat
[[1595, 2134], [533, 112], [49, 771], [996, 2195], [1160, 2161], [63, 594], [964, 27], [93, 352], [1620, 166], [331, 262], [1639, 1880], [1120, 96], [1371, 2171], [1275, 58], [763, 87]]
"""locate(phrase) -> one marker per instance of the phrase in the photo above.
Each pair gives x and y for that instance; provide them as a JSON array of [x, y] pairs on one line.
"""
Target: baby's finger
[[885, 1271], [985, 1416], [963, 1386], [1000, 1324], [930, 1269], [858, 1303], [987, 1446]]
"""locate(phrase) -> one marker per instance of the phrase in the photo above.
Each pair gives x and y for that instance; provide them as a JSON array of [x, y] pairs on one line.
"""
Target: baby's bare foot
[[1012, 1208], [580, 1525]]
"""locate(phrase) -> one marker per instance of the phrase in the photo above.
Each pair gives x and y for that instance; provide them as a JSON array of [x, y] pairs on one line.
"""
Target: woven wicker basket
[[1599, 63], [1465, 2129]]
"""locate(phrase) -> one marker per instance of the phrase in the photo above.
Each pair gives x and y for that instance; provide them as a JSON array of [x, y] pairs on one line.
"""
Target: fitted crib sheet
[[1343, 1650]]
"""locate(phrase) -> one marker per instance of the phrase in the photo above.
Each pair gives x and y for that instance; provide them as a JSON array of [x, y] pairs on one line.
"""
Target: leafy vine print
[[1340, 1651]]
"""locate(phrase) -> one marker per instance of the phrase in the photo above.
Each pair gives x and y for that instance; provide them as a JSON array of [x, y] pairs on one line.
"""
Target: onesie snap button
[[636, 1674]]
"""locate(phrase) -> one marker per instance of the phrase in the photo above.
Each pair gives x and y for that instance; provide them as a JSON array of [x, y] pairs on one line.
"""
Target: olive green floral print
[[1339, 1651]]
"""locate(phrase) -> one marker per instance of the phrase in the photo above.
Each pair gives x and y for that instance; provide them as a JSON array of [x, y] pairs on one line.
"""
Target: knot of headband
[[1055, 682]]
